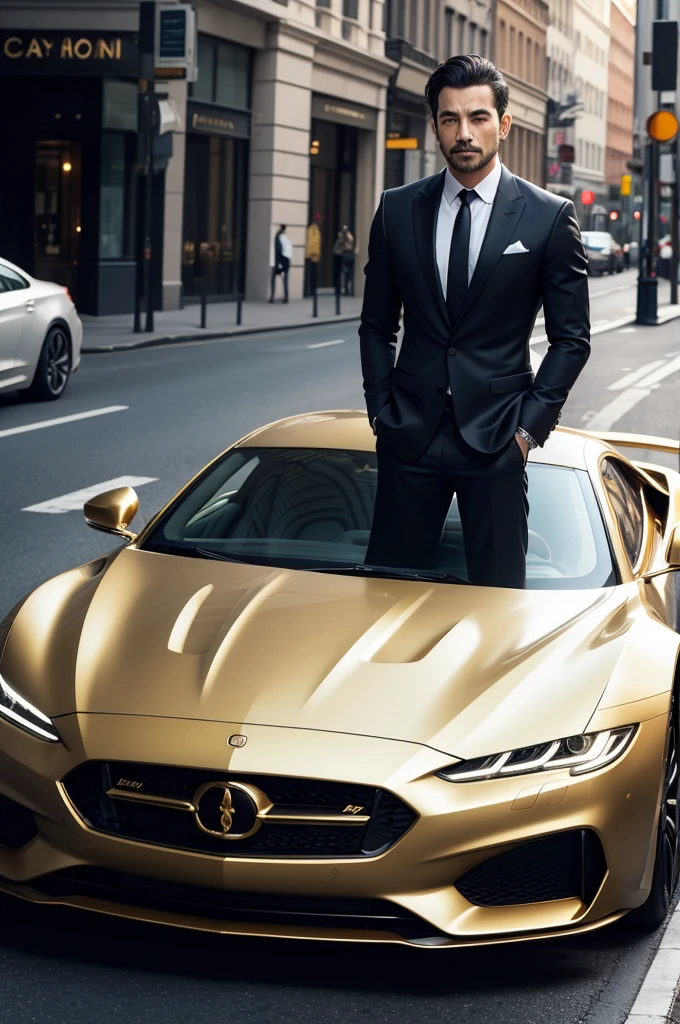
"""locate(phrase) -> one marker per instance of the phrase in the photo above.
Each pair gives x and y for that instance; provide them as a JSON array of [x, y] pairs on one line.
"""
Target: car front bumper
[[458, 827]]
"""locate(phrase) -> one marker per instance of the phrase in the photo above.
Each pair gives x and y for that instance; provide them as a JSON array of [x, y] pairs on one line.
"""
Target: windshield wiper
[[207, 553], [388, 572]]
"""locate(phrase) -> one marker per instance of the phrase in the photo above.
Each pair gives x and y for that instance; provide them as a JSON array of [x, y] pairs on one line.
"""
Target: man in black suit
[[470, 253]]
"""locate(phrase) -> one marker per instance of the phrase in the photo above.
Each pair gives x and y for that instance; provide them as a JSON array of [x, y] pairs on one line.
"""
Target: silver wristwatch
[[526, 436]]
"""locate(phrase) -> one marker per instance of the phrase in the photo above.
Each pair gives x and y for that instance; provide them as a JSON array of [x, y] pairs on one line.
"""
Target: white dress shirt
[[480, 211]]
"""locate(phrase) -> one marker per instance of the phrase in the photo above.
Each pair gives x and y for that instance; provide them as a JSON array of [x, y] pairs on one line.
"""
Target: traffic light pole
[[647, 298]]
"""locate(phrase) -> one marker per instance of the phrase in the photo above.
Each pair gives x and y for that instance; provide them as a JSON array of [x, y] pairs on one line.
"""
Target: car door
[[15, 306]]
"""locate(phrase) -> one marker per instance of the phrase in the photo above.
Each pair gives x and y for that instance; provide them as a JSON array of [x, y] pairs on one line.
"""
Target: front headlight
[[585, 753], [15, 709]]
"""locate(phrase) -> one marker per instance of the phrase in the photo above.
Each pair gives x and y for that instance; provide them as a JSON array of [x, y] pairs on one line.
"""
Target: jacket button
[[452, 351], [440, 389]]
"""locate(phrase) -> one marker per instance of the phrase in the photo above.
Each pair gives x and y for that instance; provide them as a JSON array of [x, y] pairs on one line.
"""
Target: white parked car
[[40, 335]]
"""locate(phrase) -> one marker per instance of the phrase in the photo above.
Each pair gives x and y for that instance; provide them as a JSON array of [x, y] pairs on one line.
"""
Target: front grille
[[17, 824], [88, 784], [564, 866], [222, 905]]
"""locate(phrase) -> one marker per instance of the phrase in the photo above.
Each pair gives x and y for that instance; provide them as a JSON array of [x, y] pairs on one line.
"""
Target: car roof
[[349, 429]]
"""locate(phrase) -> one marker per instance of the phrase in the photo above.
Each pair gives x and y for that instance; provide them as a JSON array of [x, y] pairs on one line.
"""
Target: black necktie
[[457, 277]]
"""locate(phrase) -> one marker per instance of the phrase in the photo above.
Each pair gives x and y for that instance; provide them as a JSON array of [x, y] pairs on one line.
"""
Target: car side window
[[625, 497], [10, 281]]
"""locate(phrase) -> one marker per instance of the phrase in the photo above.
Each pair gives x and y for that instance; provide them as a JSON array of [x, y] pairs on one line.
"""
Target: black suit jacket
[[484, 355]]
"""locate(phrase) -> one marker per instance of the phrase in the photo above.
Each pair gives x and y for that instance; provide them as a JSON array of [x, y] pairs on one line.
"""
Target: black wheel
[[653, 912], [53, 369]]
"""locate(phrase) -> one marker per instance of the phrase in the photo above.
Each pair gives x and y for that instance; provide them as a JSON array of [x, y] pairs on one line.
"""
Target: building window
[[513, 46], [529, 67], [350, 9], [473, 38], [427, 25], [483, 43], [461, 47], [448, 32], [115, 213], [223, 73], [394, 18], [520, 55]]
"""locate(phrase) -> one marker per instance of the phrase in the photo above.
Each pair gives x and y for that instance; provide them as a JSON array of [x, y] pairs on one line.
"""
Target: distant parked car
[[40, 335], [603, 252]]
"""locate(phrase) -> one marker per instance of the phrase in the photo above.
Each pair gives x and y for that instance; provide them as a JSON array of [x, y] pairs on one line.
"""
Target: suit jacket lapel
[[425, 211], [507, 209]]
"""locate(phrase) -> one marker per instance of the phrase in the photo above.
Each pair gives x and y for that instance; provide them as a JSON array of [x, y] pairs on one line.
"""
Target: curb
[[656, 997], [665, 315], [226, 332]]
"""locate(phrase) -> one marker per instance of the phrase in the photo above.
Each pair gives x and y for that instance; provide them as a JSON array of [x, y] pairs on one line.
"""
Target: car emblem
[[230, 810], [237, 740]]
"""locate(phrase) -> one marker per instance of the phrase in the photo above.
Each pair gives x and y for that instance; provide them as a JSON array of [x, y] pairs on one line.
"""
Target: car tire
[[653, 911], [53, 370]]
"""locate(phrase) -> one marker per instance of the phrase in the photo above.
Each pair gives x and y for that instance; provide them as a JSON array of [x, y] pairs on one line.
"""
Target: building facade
[[520, 44], [591, 80], [620, 96], [287, 119]]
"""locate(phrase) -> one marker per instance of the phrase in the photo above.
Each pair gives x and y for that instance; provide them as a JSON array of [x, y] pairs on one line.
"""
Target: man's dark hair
[[461, 72], [282, 229]]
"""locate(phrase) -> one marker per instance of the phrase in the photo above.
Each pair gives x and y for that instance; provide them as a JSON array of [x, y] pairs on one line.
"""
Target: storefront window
[[214, 216], [223, 73], [114, 207], [232, 87], [204, 87]]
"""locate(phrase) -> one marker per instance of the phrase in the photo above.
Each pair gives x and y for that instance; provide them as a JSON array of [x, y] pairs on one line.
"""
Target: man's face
[[468, 129]]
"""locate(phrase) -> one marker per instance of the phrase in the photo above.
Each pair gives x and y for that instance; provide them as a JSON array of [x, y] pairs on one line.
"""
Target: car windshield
[[597, 239], [311, 508]]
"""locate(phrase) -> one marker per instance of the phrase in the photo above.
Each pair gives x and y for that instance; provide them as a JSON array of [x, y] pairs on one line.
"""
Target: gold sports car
[[232, 723]]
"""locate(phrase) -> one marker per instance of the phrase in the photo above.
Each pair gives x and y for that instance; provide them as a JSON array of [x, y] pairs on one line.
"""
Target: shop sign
[[204, 119], [327, 108], [27, 52]]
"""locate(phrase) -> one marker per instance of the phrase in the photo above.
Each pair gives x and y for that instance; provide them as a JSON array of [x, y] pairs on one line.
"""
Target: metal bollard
[[239, 308], [204, 300]]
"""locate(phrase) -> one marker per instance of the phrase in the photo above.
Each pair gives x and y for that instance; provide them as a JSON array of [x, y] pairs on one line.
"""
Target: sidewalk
[[114, 333]]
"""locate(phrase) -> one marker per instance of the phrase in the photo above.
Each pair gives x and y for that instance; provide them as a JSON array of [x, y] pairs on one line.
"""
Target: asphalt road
[[183, 404]]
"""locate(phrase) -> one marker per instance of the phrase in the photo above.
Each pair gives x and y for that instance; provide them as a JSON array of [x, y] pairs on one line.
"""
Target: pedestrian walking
[[344, 249], [280, 262], [470, 253]]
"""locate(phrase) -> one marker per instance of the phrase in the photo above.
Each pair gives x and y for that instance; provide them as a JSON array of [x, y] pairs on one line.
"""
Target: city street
[[158, 415]]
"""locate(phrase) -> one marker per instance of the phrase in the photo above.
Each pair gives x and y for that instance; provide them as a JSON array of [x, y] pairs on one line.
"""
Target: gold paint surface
[[143, 657]]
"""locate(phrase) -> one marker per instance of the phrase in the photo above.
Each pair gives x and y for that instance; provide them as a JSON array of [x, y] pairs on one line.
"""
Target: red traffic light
[[587, 197], [614, 215], [636, 215]]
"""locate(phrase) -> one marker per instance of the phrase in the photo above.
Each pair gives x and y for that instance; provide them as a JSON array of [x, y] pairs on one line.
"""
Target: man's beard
[[465, 167]]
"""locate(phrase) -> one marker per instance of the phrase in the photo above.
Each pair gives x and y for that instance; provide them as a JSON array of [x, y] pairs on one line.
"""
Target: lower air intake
[[564, 866], [17, 825]]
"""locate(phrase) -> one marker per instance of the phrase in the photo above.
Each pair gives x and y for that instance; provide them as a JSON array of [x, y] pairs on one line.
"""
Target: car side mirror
[[112, 511]]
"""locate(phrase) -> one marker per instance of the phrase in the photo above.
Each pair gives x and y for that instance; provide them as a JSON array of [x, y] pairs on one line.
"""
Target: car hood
[[461, 669]]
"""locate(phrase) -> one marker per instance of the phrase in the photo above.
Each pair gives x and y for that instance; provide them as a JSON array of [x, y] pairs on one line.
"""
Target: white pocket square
[[515, 247]]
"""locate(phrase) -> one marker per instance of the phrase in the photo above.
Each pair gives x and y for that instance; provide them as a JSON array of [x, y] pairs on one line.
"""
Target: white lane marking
[[629, 397], [597, 323], [636, 375], [660, 374], [623, 403], [627, 330], [76, 499], [655, 998], [600, 327], [325, 344], [540, 320], [610, 291], [41, 424]]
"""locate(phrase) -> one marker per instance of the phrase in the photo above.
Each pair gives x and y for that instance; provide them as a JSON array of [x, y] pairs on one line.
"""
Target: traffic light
[[626, 184]]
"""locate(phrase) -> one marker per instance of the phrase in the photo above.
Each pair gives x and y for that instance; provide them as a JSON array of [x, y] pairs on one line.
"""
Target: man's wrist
[[526, 436]]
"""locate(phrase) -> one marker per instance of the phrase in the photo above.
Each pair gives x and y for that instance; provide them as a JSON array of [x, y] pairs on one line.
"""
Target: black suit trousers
[[413, 500]]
